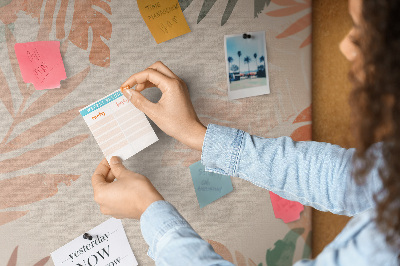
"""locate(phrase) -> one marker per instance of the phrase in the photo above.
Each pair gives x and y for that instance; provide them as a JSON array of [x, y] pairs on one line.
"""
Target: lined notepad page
[[119, 128]]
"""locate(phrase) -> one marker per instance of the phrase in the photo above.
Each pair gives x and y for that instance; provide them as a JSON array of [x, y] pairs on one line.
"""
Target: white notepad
[[119, 128]]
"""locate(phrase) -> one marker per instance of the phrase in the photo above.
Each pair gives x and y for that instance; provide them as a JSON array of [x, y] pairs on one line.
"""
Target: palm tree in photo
[[230, 60], [234, 68], [262, 59], [255, 57], [247, 60], [239, 54]]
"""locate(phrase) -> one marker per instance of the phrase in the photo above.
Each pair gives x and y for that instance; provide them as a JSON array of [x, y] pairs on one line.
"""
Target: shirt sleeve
[[313, 173], [172, 241]]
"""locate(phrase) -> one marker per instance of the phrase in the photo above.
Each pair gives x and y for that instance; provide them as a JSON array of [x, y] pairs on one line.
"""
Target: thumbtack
[[246, 36], [125, 88], [87, 236]]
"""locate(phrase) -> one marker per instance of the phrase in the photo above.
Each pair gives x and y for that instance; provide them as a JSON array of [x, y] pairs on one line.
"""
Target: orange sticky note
[[41, 63], [287, 210], [164, 18]]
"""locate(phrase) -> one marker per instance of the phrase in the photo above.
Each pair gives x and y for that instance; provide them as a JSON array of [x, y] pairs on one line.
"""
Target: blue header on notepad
[[101, 103]]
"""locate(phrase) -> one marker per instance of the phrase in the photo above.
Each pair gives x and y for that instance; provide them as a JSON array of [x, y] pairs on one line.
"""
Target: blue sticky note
[[209, 186]]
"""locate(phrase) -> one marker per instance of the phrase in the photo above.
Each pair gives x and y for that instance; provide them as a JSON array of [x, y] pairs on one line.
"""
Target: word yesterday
[[86, 248]]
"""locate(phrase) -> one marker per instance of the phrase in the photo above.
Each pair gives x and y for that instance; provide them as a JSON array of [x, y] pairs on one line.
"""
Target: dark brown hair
[[376, 106]]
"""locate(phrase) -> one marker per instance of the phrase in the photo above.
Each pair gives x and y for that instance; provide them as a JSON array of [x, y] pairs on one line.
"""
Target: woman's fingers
[[142, 86], [100, 174], [160, 67], [159, 80], [141, 103]]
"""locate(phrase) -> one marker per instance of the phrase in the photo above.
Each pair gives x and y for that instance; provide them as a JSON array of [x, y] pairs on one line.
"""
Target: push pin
[[87, 236], [125, 88], [246, 36]]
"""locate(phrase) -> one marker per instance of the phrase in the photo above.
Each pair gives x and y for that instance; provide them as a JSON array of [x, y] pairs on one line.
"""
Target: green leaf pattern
[[259, 5]]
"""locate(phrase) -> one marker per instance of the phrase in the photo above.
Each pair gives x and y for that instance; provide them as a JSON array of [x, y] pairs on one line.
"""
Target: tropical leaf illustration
[[291, 7], [9, 9], [5, 94], [9, 216], [259, 5], [37, 156], [22, 190], [85, 16], [303, 133], [13, 259], [239, 259], [51, 97], [281, 254], [207, 5], [184, 4], [304, 116], [283, 251], [47, 22], [23, 88], [27, 189], [41, 130]]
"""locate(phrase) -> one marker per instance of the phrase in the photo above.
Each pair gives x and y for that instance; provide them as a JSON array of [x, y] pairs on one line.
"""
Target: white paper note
[[108, 247], [119, 128]]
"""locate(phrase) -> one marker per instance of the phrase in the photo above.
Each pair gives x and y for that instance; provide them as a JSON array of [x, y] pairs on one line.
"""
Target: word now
[[93, 259]]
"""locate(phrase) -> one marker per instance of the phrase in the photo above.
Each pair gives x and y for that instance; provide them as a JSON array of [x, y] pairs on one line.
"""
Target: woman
[[363, 183]]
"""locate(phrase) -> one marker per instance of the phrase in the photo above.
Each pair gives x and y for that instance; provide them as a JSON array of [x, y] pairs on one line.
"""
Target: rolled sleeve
[[221, 149], [313, 173]]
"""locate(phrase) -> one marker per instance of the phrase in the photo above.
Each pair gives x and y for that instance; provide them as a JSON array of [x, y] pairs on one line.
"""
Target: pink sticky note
[[41, 63], [284, 209]]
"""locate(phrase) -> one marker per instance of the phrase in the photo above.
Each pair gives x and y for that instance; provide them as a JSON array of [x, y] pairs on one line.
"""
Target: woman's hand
[[174, 112], [127, 197]]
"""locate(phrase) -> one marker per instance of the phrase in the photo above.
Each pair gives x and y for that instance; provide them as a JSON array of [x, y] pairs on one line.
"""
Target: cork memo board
[[48, 155]]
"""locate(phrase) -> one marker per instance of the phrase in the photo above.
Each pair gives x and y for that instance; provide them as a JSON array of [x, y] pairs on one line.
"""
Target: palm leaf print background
[[47, 154]]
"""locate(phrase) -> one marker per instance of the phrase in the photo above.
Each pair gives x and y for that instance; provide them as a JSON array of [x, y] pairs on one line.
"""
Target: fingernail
[[115, 160], [128, 94]]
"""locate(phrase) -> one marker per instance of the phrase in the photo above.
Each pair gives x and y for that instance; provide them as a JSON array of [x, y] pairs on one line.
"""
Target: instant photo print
[[246, 65]]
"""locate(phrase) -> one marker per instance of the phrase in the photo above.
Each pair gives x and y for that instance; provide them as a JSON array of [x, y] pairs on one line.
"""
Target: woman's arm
[[171, 240], [313, 173]]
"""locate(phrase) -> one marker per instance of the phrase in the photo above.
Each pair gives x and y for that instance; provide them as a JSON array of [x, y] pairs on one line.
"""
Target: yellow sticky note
[[164, 18]]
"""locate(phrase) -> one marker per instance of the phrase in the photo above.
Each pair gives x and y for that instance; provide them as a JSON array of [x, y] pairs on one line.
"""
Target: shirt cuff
[[156, 221], [221, 151]]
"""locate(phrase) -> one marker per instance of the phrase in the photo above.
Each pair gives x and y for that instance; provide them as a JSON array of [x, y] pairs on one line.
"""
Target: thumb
[[138, 100], [117, 167]]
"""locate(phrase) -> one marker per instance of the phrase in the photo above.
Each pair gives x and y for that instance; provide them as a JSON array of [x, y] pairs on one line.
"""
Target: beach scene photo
[[246, 61], [246, 65]]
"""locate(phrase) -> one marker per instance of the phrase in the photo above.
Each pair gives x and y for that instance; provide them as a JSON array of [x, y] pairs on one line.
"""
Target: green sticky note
[[209, 186]]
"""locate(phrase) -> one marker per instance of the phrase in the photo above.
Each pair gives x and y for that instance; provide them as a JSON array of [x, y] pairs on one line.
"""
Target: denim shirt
[[313, 173]]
